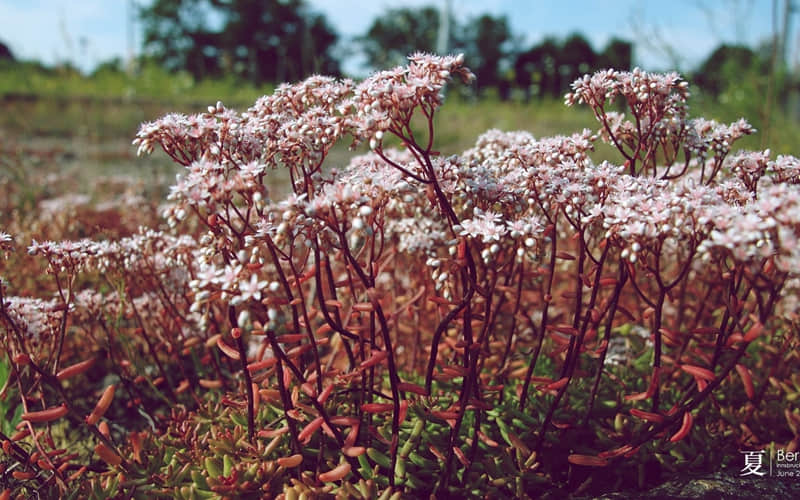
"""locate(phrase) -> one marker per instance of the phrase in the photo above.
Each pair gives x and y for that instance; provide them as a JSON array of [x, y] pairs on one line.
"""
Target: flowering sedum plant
[[507, 320]]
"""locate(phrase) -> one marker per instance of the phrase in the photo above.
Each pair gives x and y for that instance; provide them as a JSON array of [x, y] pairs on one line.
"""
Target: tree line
[[284, 40], [272, 41]]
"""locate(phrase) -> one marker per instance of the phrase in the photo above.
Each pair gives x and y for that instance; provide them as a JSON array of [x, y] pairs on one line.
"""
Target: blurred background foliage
[[195, 52]]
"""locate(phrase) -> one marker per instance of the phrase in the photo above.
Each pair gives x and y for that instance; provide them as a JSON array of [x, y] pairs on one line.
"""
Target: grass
[[540, 117], [104, 111], [145, 82]]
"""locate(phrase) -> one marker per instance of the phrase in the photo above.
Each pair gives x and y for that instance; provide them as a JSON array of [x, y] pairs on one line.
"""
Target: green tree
[[400, 32], [486, 43], [726, 66], [576, 58], [536, 70], [278, 40], [178, 36], [260, 40], [5, 52], [618, 54]]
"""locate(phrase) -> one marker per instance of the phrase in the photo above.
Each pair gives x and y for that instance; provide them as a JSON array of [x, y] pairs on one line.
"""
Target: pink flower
[[785, 169], [249, 289], [487, 226]]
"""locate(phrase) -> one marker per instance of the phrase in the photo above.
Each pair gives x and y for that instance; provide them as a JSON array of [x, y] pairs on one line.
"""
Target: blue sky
[[90, 31]]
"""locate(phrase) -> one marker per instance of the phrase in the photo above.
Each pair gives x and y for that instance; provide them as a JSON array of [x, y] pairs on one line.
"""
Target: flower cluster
[[6, 241], [183, 137], [386, 100], [64, 256], [661, 94], [657, 126], [785, 169], [749, 167], [766, 228], [462, 273], [67, 203], [509, 195], [707, 138], [36, 320]]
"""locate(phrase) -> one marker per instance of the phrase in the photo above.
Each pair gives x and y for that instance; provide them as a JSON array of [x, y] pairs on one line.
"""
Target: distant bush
[[144, 79]]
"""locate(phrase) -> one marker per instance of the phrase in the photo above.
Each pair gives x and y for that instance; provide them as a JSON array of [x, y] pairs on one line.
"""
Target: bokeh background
[[77, 78]]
